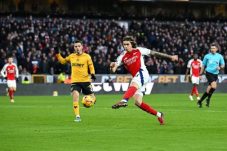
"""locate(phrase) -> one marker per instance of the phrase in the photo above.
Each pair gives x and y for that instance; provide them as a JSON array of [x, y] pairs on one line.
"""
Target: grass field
[[45, 123]]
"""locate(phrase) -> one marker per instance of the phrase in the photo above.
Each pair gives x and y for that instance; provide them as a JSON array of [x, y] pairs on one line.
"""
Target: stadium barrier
[[109, 84], [107, 88], [114, 78]]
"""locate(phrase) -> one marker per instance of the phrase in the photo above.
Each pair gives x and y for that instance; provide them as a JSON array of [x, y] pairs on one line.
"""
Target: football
[[88, 101]]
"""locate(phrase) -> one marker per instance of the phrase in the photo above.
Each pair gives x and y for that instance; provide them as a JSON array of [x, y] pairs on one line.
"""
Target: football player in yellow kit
[[82, 71]]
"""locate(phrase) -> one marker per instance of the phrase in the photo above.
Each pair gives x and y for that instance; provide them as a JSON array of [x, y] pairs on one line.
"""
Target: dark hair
[[78, 41], [131, 39], [216, 45], [195, 55], [9, 56]]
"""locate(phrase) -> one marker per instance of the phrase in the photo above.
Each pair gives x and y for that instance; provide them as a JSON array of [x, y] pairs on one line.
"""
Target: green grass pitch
[[45, 123]]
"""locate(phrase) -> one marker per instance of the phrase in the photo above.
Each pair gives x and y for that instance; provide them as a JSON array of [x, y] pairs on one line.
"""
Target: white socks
[[159, 114]]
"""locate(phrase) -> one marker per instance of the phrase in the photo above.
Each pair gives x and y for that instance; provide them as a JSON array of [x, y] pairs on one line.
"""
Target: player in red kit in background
[[194, 66], [10, 73], [132, 59]]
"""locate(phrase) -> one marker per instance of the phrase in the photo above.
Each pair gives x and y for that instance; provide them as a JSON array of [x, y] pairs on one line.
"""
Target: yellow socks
[[76, 108]]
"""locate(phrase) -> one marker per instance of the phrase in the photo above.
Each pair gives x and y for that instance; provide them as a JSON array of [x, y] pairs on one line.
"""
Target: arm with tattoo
[[163, 55]]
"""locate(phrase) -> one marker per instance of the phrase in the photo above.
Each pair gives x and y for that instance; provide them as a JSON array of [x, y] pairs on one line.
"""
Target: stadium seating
[[32, 41]]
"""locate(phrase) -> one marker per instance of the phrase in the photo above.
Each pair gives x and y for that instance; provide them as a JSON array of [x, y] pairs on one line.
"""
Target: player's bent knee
[[214, 85], [75, 94], [138, 99], [138, 102]]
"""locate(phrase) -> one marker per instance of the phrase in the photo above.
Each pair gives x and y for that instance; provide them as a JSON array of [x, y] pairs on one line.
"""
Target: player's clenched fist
[[174, 58], [113, 66]]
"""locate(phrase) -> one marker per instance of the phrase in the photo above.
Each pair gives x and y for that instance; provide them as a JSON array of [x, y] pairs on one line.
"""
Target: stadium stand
[[32, 41]]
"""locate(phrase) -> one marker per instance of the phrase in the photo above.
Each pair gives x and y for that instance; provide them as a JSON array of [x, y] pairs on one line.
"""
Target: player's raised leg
[[127, 95], [147, 108]]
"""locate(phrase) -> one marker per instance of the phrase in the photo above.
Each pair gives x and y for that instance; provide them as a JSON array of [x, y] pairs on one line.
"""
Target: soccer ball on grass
[[88, 101]]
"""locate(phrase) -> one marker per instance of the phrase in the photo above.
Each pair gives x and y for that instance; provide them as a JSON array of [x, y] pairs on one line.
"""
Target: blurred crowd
[[33, 41]]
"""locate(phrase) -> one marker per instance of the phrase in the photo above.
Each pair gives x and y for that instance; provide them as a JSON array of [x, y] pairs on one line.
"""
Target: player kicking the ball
[[132, 59], [10, 73], [194, 66], [81, 64]]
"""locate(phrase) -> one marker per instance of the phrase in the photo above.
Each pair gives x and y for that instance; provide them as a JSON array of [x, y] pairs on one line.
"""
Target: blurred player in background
[[132, 59], [213, 62], [194, 66], [10, 73], [81, 65]]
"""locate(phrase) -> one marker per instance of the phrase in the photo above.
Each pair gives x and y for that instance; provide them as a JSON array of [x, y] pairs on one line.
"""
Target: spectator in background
[[35, 66], [31, 37], [151, 66], [25, 72]]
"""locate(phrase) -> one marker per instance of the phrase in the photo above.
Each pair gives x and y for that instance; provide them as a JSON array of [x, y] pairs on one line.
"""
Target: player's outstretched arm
[[163, 55], [60, 58], [113, 67]]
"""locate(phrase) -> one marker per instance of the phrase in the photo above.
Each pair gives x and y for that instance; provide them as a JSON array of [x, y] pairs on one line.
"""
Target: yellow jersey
[[79, 66]]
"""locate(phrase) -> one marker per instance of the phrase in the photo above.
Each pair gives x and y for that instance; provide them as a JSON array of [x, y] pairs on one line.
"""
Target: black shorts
[[84, 87], [211, 77]]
